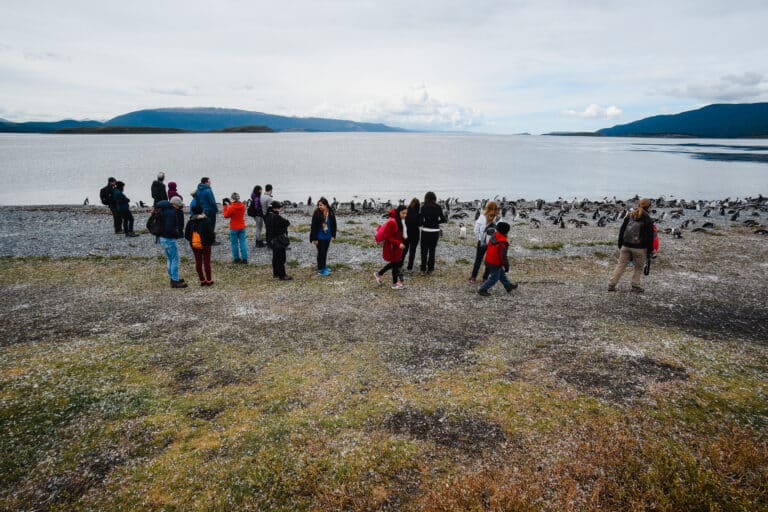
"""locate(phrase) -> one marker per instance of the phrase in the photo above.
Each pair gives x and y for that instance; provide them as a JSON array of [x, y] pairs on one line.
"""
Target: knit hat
[[176, 201], [275, 205], [161, 176], [235, 196], [502, 227]]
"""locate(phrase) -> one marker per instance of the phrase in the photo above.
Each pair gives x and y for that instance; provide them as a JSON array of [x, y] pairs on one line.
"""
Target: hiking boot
[[398, 286], [637, 289], [483, 292], [377, 277], [611, 287], [237, 260], [285, 278], [511, 287], [244, 262], [132, 234], [178, 284]]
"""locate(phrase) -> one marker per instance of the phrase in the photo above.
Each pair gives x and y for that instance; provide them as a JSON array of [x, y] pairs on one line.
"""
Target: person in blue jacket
[[204, 197], [173, 229]]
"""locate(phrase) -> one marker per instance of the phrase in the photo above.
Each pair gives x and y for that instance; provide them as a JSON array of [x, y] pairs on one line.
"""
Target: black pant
[[116, 218], [211, 216], [127, 218], [322, 253], [397, 270], [479, 253], [428, 246], [410, 248], [278, 262]]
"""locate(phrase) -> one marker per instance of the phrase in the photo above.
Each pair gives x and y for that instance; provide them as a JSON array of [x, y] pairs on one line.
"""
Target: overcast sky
[[482, 66]]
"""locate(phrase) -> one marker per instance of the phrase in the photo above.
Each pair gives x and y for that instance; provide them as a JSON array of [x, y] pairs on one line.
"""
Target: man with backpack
[[255, 211], [107, 199], [635, 244]]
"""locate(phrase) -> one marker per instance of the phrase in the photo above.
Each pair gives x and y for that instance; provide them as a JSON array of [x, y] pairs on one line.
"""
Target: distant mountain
[[714, 121], [199, 120]]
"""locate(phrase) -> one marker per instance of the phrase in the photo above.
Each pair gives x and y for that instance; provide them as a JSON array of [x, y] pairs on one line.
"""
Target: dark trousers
[[116, 218], [278, 262], [428, 246], [410, 248], [322, 253], [211, 216], [397, 270], [479, 253], [127, 218], [203, 263]]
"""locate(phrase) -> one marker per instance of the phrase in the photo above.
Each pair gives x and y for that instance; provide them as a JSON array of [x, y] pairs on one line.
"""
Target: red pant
[[203, 262]]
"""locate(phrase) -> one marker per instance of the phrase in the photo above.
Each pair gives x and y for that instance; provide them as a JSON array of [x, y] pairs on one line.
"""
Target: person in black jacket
[[635, 244], [430, 218], [173, 229], [277, 236], [123, 206], [321, 233], [412, 225], [158, 189], [199, 224], [107, 199]]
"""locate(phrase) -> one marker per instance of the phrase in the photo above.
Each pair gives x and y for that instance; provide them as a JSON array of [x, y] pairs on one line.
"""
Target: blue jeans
[[495, 274], [237, 239], [172, 253]]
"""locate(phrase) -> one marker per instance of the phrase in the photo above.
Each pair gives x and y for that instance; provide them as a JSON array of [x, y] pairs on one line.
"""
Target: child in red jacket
[[393, 236], [496, 261]]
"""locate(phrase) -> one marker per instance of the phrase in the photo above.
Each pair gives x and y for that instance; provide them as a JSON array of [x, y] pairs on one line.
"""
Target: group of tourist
[[407, 228]]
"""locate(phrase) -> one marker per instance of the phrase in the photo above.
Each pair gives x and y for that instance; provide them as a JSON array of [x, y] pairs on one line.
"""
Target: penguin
[[462, 231], [707, 212], [142, 204], [86, 202], [735, 216]]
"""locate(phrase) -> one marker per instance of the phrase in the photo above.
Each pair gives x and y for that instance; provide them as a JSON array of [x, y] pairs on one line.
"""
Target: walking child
[[496, 261]]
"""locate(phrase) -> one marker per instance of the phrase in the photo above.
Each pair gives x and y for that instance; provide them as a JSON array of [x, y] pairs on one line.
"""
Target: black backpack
[[632, 233], [155, 223], [106, 195]]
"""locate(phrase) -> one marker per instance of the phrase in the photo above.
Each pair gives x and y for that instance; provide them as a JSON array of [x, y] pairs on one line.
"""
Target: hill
[[713, 121], [198, 120]]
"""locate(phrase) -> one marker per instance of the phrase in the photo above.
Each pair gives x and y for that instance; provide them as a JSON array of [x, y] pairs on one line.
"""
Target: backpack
[[632, 234], [106, 195], [380, 233], [155, 224], [251, 209], [197, 240]]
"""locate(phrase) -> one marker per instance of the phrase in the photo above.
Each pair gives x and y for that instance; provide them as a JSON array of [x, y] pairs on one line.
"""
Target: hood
[[203, 186], [172, 185], [392, 213]]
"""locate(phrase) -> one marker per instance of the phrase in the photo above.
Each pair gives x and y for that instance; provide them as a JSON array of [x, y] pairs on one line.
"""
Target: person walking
[[277, 240], [235, 212], [205, 198], [198, 233], [123, 205], [322, 232], [635, 244], [431, 217], [158, 189], [257, 213], [485, 227], [173, 229], [393, 234], [173, 192], [412, 225], [108, 199], [496, 261]]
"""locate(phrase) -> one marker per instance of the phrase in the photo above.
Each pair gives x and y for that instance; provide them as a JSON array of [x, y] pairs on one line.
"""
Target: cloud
[[595, 111], [171, 91], [731, 87], [416, 109]]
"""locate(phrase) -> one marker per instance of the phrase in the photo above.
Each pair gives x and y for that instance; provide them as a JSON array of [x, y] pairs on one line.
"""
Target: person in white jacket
[[485, 226]]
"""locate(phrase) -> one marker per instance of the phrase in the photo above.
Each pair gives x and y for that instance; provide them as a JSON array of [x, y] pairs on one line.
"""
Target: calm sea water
[[65, 169]]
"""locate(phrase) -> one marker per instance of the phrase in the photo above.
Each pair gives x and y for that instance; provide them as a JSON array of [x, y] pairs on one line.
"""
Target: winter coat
[[158, 192], [496, 255], [412, 223], [206, 200], [200, 224], [122, 203], [173, 220], [317, 224], [275, 225], [392, 239], [431, 217], [266, 203], [646, 233], [235, 212]]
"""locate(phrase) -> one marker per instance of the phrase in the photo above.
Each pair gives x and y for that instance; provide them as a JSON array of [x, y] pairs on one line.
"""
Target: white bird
[[462, 231]]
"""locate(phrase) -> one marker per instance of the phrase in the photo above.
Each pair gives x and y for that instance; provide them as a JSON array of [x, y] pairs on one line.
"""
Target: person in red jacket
[[496, 261], [394, 235], [235, 212]]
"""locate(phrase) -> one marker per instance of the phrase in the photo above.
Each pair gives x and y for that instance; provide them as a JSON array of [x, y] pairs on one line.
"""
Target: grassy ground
[[118, 393]]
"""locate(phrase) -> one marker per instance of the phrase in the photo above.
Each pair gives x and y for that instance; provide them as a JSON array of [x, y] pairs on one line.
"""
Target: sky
[[479, 66]]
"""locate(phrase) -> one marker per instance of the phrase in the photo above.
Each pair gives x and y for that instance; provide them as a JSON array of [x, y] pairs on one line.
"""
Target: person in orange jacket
[[235, 212]]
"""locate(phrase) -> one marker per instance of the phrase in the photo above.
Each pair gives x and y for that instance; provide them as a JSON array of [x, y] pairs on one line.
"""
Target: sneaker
[[178, 284], [209, 283], [327, 270], [398, 286], [472, 280], [244, 262], [203, 283], [237, 260], [132, 234], [510, 287], [611, 287], [377, 277], [285, 278], [119, 232], [483, 292], [637, 289]]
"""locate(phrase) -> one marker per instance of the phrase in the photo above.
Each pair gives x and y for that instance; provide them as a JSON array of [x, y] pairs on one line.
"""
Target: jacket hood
[[392, 213], [164, 204], [172, 185], [203, 186]]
